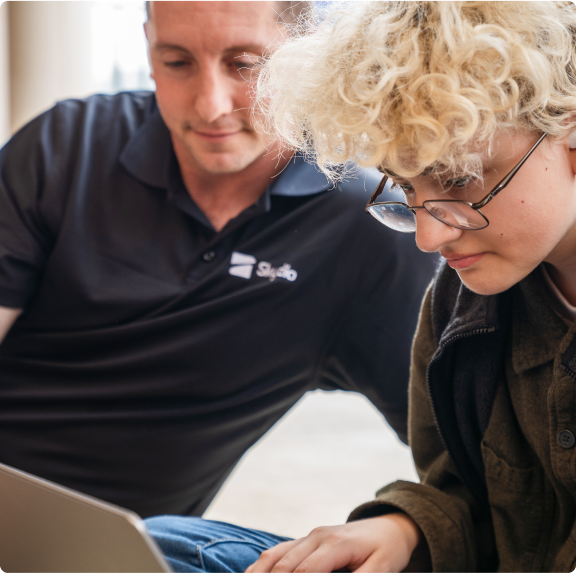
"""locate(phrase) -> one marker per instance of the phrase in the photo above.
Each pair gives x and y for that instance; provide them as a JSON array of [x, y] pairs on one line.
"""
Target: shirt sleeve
[[30, 164], [371, 352]]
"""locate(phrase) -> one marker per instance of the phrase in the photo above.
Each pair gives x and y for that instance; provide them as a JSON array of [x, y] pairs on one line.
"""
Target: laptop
[[47, 527]]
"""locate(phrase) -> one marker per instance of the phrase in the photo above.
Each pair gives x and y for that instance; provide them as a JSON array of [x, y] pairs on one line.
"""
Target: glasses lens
[[456, 214], [394, 215]]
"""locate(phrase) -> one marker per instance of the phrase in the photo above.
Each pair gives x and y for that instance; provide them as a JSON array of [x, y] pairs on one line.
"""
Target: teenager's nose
[[213, 98], [431, 234]]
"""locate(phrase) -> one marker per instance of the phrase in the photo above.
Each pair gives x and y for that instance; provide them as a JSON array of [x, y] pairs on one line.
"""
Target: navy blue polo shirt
[[154, 351]]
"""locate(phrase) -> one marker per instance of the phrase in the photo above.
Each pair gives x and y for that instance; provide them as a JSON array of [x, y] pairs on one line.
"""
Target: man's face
[[199, 52]]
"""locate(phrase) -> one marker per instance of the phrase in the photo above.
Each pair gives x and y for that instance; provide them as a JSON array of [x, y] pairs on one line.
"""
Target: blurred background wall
[[4, 74], [48, 40], [53, 50], [333, 450]]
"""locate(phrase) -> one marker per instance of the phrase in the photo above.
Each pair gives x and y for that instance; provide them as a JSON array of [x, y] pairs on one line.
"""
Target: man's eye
[[247, 60], [246, 70], [175, 64], [240, 64]]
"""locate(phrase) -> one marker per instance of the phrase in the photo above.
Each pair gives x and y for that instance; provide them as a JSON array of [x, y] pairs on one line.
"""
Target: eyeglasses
[[452, 212]]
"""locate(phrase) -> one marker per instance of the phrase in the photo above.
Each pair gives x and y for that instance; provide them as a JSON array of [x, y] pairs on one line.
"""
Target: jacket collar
[[457, 310], [537, 331]]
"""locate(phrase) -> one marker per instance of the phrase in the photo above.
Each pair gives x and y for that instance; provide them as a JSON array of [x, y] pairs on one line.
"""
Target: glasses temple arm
[[513, 172], [379, 189]]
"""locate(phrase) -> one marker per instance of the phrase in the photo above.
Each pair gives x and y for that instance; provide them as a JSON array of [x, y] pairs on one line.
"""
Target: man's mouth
[[216, 135]]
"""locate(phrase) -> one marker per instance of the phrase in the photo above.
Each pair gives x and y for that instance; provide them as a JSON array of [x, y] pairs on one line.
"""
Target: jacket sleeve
[[440, 504]]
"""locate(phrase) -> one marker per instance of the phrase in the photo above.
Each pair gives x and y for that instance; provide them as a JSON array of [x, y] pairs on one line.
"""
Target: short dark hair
[[287, 11]]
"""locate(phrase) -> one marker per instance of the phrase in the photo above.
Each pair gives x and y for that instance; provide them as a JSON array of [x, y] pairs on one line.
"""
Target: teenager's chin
[[483, 285]]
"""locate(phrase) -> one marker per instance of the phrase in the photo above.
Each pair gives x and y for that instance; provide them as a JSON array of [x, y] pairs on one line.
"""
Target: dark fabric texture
[[476, 335], [153, 351], [523, 517]]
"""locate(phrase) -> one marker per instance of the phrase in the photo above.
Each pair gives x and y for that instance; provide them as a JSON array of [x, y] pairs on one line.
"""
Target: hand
[[379, 544]]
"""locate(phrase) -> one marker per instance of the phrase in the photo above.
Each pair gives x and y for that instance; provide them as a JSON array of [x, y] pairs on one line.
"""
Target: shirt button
[[209, 256], [566, 439]]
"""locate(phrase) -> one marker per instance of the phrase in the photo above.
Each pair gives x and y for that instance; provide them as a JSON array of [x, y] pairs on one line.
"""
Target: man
[[475, 123], [170, 288]]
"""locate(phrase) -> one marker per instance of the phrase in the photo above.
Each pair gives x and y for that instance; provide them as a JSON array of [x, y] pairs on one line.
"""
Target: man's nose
[[431, 234], [213, 96]]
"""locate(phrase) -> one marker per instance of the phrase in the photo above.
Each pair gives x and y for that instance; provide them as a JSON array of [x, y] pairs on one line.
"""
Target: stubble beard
[[222, 162]]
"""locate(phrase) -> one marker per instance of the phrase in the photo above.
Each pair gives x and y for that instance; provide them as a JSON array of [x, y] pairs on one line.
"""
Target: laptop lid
[[47, 527]]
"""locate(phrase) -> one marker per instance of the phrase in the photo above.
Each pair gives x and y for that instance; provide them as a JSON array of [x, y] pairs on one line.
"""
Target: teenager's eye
[[458, 182], [404, 187]]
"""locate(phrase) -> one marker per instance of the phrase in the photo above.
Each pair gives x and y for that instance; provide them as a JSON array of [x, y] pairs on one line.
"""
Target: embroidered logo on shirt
[[243, 265]]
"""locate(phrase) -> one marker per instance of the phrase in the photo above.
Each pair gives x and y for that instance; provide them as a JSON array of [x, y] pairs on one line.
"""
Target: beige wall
[[49, 55], [4, 76]]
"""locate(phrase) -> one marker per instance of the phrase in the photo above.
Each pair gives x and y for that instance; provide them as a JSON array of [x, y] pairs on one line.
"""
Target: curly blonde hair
[[413, 86]]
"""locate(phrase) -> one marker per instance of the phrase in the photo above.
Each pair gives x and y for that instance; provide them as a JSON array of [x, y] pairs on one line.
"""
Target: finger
[[271, 556], [337, 550], [325, 559], [290, 560], [379, 563], [325, 549], [317, 553]]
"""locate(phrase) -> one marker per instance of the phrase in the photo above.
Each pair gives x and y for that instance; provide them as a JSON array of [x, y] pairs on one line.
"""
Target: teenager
[[470, 109]]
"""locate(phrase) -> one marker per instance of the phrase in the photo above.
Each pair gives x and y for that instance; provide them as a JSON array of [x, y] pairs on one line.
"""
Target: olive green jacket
[[492, 421]]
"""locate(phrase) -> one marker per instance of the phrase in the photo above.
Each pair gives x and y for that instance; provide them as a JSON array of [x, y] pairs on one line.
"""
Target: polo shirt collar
[[299, 179], [148, 154]]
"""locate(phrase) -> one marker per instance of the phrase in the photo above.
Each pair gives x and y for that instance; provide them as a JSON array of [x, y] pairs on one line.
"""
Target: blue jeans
[[196, 544]]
